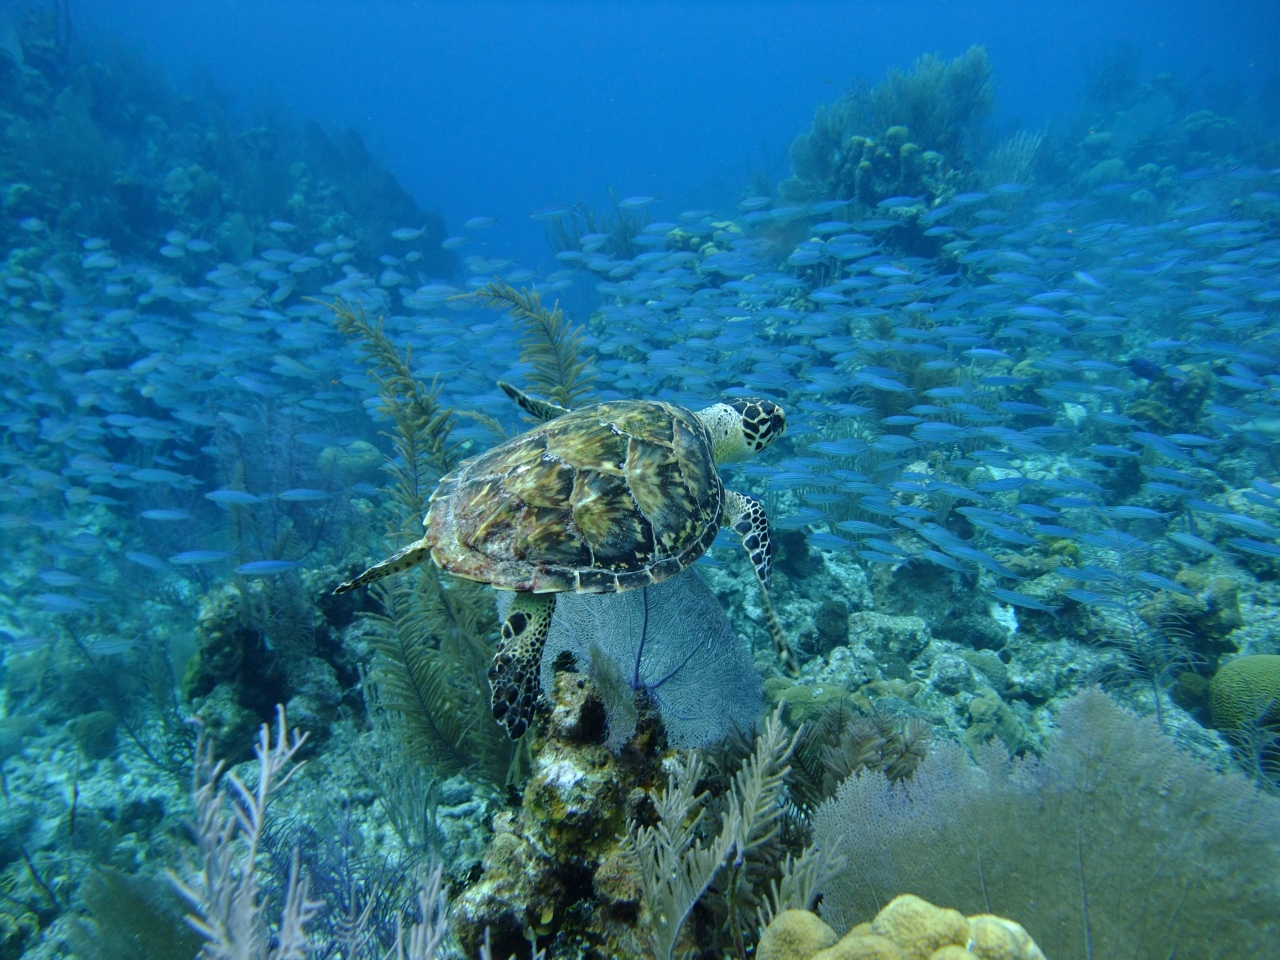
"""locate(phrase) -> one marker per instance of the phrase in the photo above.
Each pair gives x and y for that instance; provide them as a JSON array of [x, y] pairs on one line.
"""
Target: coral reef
[[538, 870], [600, 858], [103, 145], [1031, 386]]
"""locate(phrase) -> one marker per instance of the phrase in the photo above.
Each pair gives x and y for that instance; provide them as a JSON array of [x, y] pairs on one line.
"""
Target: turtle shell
[[610, 497]]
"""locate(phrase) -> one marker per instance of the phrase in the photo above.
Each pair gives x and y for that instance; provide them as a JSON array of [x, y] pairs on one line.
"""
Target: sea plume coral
[[432, 638], [225, 885]]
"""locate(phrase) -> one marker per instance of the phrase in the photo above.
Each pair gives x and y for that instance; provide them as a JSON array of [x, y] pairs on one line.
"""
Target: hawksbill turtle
[[609, 497]]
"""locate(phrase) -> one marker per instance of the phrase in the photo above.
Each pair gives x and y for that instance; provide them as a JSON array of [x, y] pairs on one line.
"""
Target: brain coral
[[1246, 689], [907, 929]]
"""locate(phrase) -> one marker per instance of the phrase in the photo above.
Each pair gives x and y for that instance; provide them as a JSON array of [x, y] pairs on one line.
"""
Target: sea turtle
[[609, 497]]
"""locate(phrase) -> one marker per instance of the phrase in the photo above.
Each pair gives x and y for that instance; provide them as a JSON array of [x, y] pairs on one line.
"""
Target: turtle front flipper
[[746, 517], [410, 556], [543, 410], [514, 673]]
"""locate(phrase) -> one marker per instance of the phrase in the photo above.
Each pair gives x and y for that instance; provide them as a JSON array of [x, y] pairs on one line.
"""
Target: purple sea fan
[[671, 640]]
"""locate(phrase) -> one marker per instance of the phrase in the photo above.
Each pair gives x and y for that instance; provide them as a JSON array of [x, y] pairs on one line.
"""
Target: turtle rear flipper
[[746, 516], [514, 673], [410, 556], [543, 410]]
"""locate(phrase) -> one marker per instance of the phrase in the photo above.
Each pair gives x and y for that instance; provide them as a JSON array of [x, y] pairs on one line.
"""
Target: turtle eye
[[762, 421]]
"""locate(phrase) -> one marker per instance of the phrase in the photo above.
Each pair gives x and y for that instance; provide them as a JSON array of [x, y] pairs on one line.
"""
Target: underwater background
[[1012, 272]]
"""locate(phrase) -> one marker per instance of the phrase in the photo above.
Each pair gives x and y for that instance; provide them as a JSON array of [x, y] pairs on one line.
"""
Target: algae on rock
[[651, 855]]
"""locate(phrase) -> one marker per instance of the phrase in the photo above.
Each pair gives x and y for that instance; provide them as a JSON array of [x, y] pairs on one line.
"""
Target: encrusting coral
[[907, 929]]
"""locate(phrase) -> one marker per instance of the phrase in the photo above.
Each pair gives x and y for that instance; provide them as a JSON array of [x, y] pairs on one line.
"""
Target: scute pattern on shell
[[610, 497]]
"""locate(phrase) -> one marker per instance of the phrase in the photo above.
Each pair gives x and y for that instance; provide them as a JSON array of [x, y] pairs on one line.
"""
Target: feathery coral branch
[[224, 893], [547, 341]]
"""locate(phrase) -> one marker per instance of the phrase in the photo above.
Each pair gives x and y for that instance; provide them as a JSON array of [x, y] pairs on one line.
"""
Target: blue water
[[499, 109], [286, 281]]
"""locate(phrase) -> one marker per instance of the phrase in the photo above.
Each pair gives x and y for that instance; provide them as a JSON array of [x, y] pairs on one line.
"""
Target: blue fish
[[1091, 598], [861, 527], [266, 567], [152, 475], [942, 560], [1161, 583], [1021, 600], [302, 495], [236, 497], [828, 541], [61, 603], [1256, 547], [1251, 525], [165, 515], [873, 556], [59, 578]]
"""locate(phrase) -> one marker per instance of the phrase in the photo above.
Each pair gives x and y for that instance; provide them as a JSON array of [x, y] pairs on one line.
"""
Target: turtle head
[[742, 428]]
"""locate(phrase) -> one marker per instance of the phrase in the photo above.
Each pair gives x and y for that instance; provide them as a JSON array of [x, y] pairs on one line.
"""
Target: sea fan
[[674, 642]]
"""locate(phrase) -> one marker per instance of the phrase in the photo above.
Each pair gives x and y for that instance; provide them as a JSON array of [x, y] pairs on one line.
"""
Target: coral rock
[[615, 882], [518, 889], [952, 675], [989, 716], [554, 865], [904, 637], [578, 715], [794, 935], [805, 702]]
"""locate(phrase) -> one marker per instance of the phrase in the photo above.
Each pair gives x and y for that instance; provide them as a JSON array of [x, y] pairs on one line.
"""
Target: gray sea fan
[[672, 641]]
